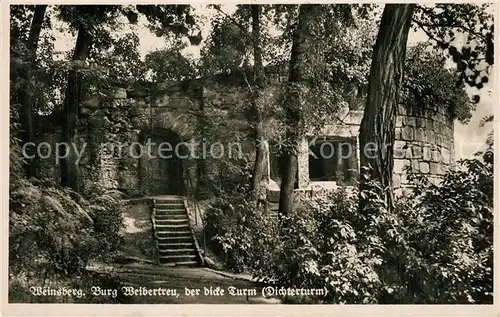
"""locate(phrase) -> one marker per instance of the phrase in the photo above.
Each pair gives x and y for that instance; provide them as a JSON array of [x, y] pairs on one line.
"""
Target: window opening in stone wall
[[333, 160]]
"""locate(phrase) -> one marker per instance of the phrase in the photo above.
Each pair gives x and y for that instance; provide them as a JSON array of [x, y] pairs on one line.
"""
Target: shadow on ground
[[184, 280]]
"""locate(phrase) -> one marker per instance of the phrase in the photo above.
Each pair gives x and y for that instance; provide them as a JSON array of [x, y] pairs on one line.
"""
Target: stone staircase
[[175, 241]]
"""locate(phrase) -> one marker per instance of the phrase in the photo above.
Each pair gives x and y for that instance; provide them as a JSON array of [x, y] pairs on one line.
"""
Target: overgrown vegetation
[[436, 247], [54, 233]]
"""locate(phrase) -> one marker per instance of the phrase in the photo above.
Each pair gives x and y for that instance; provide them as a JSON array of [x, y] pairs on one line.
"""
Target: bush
[[54, 232], [448, 237], [322, 250], [61, 232], [107, 214], [240, 232], [314, 249], [435, 246]]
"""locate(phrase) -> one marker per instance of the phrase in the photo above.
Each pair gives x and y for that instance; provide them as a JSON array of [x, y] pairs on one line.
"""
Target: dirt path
[[180, 286]]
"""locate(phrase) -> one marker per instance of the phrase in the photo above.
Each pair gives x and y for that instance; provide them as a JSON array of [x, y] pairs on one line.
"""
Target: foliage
[[33, 76], [62, 230], [448, 230], [344, 37], [436, 247], [114, 61], [428, 82], [106, 213], [20, 20], [54, 232], [324, 248], [227, 46], [240, 232], [487, 154], [444, 23], [169, 65], [171, 20]]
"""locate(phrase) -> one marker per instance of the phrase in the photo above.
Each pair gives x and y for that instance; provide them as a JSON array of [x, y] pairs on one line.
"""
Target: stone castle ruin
[[173, 113]]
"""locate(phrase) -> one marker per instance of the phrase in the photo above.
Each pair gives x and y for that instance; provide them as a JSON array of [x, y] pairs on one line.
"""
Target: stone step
[[187, 252], [162, 217], [172, 225], [175, 245], [170, 212], [170, 205], [179, 233], [168, 228], [175, 239], [184, 263], [170, 215], [167, 197], [173, 221], [162, 207], [169, 202], [177, 258]]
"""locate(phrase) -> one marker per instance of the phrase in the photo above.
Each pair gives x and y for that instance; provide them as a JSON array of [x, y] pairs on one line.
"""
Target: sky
[[468, 138]]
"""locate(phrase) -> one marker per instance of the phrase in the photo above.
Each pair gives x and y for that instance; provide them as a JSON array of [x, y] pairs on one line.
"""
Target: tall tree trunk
[[302, 42], [26, 97], [377, 128], [202, 184], [260, 80], [69, 169]]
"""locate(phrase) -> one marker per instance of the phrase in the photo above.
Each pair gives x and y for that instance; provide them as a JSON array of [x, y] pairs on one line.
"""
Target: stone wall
[[113, 125], [115, 130], [424, 136], [424, 143]]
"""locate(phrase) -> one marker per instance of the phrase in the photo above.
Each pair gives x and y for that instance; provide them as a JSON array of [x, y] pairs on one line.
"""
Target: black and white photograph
[[250, 153]]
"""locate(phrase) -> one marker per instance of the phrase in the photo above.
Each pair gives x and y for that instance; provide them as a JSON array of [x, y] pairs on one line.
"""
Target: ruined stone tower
[[171, 112]]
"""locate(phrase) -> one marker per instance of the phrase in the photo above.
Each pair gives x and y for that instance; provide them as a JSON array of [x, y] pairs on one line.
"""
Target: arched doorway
[[162, 171]]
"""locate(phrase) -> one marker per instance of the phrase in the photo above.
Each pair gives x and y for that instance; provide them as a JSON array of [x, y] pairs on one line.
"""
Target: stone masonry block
[[429, 124], [399, 149], [401, 166], [92, 102], [409, 121], [408, 153], [404, 180], [396, 180], [416, 151], [436, 155], [354, 117], [419, 134], [426, 153], [119, 93], [420, 122], [439, 139], [424, 167], [398, 134], [408, 134], [445, 156], [399, 121], [402, 110], [436, 168], [438, 127], [415, 168], [450, 144], [429, 136]]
